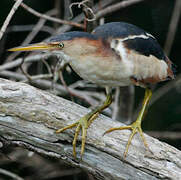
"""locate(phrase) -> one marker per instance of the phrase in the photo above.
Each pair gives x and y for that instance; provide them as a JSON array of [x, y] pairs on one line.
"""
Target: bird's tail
[[171, 69]]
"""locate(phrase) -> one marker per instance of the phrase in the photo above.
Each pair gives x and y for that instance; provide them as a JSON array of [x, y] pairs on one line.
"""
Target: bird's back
[[117, 30], [131, 41], [132, 36]]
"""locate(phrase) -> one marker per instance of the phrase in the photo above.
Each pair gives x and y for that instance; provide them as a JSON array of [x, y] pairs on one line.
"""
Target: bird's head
[[73, 44]]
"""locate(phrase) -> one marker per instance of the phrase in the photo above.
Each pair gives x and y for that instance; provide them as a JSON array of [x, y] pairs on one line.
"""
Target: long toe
[[75, 139], [81, 125], [135, 128], [66, 127], [84, 123], [115, 129]]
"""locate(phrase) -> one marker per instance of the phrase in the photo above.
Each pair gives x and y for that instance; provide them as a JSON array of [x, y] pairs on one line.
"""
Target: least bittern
[[114, 54]]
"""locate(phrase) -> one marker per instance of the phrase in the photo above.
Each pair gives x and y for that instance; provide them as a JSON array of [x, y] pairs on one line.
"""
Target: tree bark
[[29, 118]]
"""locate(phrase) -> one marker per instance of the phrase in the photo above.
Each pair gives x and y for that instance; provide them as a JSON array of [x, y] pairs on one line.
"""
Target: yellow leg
[[136, 126], [84, 122]]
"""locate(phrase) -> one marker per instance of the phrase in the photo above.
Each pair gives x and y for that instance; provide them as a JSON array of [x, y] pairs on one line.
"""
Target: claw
[[65, 128], [114, 129], [83, 124], [136, 126], [75, 140], [84, 135]]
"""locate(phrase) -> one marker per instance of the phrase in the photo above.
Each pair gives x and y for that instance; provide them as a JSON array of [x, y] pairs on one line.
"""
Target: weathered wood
[[29, 117]]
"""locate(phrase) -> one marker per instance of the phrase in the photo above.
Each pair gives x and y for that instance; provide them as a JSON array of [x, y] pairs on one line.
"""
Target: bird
[[114, 54]]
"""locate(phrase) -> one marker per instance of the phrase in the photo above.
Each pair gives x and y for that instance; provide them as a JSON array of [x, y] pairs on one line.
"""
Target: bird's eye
[[61, 45]]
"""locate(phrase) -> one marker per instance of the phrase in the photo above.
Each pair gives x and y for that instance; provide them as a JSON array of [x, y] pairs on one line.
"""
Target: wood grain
[[29, 118]]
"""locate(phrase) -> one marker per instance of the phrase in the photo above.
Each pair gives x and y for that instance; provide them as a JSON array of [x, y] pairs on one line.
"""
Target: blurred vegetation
[[164, 115]]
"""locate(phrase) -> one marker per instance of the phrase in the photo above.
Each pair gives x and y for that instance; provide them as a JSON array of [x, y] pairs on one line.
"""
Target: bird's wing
[[132, 37], [145, 45], [127, 39], [117, 30]]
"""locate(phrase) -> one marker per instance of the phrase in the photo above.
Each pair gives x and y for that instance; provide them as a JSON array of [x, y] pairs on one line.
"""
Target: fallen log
[[29, 118]]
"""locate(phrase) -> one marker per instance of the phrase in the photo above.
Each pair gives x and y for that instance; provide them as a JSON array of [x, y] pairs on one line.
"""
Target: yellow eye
[[61, 45]]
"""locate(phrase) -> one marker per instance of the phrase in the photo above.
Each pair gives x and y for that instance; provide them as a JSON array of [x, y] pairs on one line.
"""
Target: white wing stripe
[[134, 37]]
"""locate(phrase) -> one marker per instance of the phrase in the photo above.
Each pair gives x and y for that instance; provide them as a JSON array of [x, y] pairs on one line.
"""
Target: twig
[[36, 13], [57, 73], [165, 89], [31, 35], [30, 78], [24, 71], [59, 14], [37, 27], [116, 7], [83, 4], [95, 9], [161, 92], [65, 85], [116, 104], [69, 89], [124, 100], [29, 59], [173, 26], [40, 76], [20, 28], [89, 20], [79, 4], [10, 15], [66, 6], [10, 174], [47, 66], [80, 17], [80, 83], [45, 84]]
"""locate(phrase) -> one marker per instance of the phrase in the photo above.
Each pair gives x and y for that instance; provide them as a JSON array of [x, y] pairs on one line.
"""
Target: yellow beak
[[32, 47]]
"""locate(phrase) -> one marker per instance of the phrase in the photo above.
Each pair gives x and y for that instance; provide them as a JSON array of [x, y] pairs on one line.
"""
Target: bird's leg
[[84, 122], [136, 126]]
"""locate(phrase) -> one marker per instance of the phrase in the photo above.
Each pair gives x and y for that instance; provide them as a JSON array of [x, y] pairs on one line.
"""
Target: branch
[[165, 89], [10, 174], [123, 104], [10, 15], [34, 31], [160, 92], [79, 18], [33, 58], [29, 118], [45, 84], [116, 7], [173, 26], [36, 13]]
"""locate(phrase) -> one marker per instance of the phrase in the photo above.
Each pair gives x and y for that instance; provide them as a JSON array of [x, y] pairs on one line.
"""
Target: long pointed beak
[[33, 47]]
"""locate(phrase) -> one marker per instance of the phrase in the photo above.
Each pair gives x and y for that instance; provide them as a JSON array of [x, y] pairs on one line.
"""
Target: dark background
[[163, 116]]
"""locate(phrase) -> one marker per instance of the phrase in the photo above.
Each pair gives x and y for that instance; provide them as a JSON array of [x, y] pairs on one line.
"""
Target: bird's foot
[[81, 125], [134, 127]]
